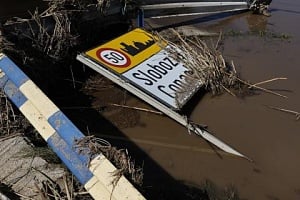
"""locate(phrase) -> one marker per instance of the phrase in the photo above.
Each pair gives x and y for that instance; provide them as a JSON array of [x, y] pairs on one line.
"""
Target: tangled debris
[[10, 122], [65, 188], [207, 65], [57, 33], [55, 44], [4, 44], [93, 146]]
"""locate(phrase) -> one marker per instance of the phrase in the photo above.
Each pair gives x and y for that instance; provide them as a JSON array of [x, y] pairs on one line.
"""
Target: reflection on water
[[256, 23]]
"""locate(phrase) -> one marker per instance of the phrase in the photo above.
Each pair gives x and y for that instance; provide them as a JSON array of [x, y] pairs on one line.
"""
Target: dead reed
[[297, 114]]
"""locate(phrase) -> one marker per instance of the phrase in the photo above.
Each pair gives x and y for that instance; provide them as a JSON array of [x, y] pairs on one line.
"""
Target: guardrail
[[59, 132]]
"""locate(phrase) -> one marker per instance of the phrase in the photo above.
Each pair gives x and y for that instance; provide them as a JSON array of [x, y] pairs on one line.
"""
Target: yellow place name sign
[[126, 51]]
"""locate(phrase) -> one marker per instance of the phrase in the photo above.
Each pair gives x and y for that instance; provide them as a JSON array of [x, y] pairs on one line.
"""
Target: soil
[[177, 164]]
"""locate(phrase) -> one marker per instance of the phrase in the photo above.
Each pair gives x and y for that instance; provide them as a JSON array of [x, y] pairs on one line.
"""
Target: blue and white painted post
[[60, 134]]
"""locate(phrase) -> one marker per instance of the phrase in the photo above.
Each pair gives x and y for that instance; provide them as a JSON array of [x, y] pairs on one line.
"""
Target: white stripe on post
[[97, 190], [38, 98], [35, 117], [104, 170]]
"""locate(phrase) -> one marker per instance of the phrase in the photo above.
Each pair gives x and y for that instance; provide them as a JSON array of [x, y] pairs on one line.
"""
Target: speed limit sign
[[113, 57]]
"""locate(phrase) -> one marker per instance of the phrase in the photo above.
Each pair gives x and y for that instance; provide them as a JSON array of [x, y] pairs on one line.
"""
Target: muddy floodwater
[[269, 137], [261, 48]]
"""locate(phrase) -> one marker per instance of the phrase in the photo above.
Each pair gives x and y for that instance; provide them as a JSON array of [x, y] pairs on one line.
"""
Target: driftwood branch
[[297, 114], [67, 190], [137, 108], [267, 81], [227, 90], [260, 88]]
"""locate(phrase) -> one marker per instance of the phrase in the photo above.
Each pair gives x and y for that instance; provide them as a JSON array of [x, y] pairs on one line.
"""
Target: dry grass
[[5, 45], [10, 123], [50, 32], [93, 146], [56, 43], [207, 65], [66, 188], [205, 62], [76, 5]]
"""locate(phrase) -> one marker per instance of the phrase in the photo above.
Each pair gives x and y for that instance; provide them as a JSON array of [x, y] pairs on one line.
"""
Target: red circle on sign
[[113, 57]]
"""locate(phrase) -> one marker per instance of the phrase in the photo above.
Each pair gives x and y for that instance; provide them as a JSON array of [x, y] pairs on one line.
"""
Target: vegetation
[[266, 34]]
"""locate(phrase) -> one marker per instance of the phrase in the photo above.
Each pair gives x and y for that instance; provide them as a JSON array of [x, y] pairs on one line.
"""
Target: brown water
[[271, 138], [267, 136]]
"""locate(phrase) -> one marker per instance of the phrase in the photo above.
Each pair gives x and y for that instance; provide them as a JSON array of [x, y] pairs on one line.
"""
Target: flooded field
[[262, 48]]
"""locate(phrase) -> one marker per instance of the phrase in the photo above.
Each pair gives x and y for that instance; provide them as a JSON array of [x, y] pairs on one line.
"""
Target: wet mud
[[176, 164]]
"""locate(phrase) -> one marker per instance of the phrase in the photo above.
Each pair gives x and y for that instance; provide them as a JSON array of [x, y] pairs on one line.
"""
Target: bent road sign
[[139, 58], [142, 65]]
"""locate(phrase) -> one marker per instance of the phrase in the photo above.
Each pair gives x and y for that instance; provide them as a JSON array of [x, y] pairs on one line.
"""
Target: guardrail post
[[60, 134], [140, 18]]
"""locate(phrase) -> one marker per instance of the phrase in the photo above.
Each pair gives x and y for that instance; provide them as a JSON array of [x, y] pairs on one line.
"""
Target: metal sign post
[[177, 8]]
